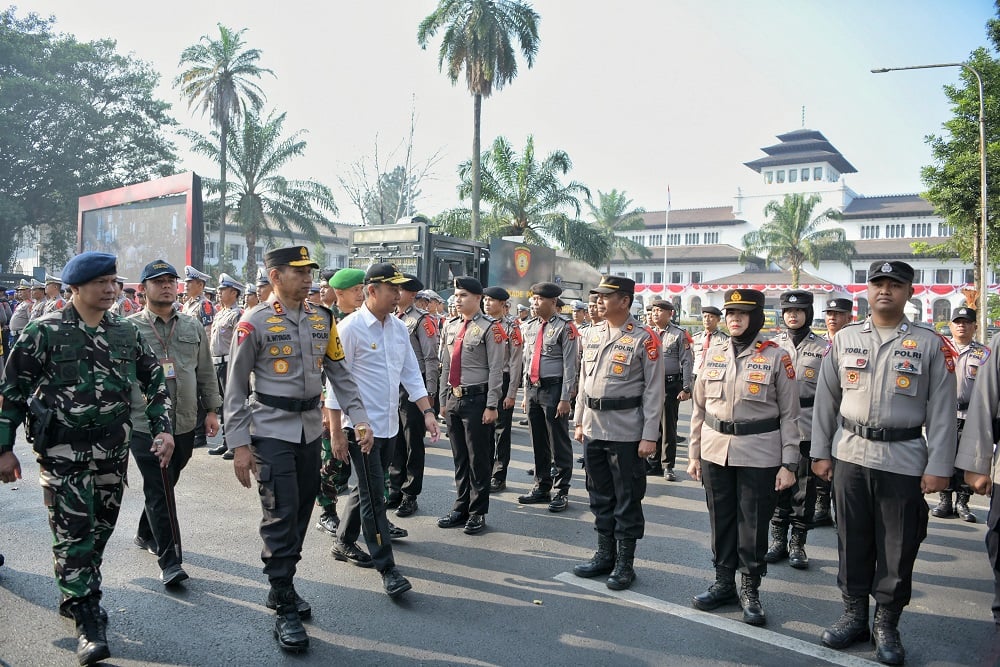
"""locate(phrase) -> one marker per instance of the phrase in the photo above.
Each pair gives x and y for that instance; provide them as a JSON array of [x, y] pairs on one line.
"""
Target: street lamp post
[[980, 249]]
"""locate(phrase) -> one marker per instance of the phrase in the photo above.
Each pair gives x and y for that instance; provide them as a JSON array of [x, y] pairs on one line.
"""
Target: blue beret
[[89, 265]]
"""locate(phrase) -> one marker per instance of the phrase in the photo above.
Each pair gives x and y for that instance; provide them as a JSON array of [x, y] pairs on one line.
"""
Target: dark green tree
[[612, 215], [75, 118], [478, 39], [390, 201]]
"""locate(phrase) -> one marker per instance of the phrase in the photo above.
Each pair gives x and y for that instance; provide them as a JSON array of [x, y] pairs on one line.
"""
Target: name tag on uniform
[[169, 371]]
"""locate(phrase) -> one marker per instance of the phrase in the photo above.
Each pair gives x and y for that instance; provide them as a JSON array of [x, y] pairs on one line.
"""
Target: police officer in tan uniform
[[473, 352], [678, 375], [551, 371], [701, 341], [495, 300], [797, 503], [618, 409], [882, 382], [227, 317], [971, 355], [283, 349], [745, 446]]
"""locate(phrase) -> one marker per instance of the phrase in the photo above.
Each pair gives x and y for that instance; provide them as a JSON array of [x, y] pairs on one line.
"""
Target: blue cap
[[157, 268], [89, 265]]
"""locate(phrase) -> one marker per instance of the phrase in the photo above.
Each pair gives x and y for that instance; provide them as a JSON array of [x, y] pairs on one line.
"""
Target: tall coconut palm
[[612, 216], [792, 236], [220, 77], [263, 201], [477, 38]]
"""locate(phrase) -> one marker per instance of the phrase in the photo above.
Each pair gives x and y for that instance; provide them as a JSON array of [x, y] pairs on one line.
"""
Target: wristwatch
[[491, 407], [791, 467], [686, 390], [429, 411]]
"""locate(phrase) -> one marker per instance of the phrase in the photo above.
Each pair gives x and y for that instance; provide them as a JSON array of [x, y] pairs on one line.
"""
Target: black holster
[[39, 423]]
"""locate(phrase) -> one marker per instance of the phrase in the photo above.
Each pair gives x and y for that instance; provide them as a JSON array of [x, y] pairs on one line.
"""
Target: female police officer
[[745, 445]]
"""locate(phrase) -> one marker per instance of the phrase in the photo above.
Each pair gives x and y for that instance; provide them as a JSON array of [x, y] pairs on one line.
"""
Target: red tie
[[455, 372], [536, 358], [708, 338]]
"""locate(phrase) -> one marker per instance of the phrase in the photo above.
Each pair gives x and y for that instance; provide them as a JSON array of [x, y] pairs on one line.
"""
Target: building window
[[639, 277], [695, 309], [696, 278], [942, 310], [692, 238], [834, 176], [860, 276], [918, 276], [655, 239], [944, 229], [675, 277], [657, 277], [920, 229], [870, 231], [235, 252], [711, 237], [895, 231], [793, 175], [258, 254], [862, 309], [211, 248], [769, 177], [341, 261], [637, 238], [673, 239], [942, 276], [781, 176], [970, 276], [805, 174], [817, 173]]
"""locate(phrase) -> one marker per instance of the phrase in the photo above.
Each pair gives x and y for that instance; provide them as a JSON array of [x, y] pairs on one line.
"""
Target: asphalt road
[[505, 597]]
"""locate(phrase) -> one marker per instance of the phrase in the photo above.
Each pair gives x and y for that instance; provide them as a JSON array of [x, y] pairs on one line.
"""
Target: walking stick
[[175, 529], [363, 474]]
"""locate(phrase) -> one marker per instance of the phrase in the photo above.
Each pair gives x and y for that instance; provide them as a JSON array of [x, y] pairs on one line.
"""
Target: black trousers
[[406, 469], [154, 522], [501, 435], [740, 503], [666, 445], [472, 449], [993, 549], [365, 508], [616, 484], [797, 504], [287, 481], [881, 521], [550, 438]]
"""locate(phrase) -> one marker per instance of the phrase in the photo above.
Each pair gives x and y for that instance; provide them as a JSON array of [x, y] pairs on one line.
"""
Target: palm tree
[[611, 216], [262, 200], [478, 38], [220, 77], [792, 236]]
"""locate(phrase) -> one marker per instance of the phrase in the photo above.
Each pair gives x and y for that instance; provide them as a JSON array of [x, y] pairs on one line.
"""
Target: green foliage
[[75, 118], [264, 202], [791, 236], [611, 216], [389, 202]]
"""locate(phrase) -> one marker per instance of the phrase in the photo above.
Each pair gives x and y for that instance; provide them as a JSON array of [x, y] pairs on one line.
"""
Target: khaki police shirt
[[201, 309], [970, 358], [223, 327], [699, 346], [21, 316], [285, 353], [484, 348], [624, 365], [181, 339], [560, 352], [754, 385], [976, 452], [425, 338], [807, 357], [906, 381], [678, 357], [515, 354]]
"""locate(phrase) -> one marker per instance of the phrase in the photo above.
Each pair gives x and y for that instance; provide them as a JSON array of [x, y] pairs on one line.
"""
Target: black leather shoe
[[497, 485], [392, 502], [149, 545], [395, 583], [475, 524], [305, 611], [397, 533], [218, 451], [523, 422], [669, 475], [407, 507], [229, 455], [559, 503], [654, 470], [329, 522], [351, 554], [536, 497], [453, 519], [173, 575]]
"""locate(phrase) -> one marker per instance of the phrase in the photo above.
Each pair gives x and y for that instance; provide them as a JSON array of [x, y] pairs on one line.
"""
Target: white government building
[[703, 244]]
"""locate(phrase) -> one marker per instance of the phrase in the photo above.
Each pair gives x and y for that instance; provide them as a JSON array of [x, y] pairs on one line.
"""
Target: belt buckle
[[457, 391]]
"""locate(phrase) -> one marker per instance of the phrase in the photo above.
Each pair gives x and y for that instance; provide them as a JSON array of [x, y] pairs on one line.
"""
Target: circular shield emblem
[[902, 382], [280, 366], [754, 388]]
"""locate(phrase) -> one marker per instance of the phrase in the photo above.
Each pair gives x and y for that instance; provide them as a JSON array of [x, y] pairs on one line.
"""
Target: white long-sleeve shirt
[[380, 358]]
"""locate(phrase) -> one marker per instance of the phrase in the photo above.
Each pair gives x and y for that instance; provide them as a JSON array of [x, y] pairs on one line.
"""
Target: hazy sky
[[640, 93]]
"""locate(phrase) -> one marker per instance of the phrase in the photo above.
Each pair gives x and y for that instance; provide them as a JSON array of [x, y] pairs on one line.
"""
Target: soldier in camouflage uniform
[[83, 363]]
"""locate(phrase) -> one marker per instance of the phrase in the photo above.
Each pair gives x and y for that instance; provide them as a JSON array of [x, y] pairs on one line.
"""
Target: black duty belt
[[545, 382], [68, 434], [963, 406], [743, 428], [614, 403], [470, 390], [220, 359], [882, 434], [289, 404], [807, 402], [677, 377]]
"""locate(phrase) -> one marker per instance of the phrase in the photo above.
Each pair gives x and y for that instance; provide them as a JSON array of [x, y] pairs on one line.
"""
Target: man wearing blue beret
[[74, 371]]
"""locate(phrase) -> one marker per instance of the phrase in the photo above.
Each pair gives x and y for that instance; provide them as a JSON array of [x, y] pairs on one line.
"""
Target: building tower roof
[[800, 147]]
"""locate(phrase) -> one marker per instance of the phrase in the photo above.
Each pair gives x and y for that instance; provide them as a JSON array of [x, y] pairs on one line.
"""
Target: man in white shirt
[[379, 356]]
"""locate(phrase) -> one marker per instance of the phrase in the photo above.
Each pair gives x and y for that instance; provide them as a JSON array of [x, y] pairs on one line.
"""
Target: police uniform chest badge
[[274, 320], [719, 357], [626, 340], [909, 343], [475, 330], [810, 373], [853, 377], [286, 349], [754, 388], [280, 366], [902, 382]]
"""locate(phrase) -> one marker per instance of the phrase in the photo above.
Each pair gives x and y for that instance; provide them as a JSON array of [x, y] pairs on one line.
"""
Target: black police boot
[[288, 629], [303, 607], [723, 591], [778, 549], [753, 612], [851, 627], [962, 507], [822, 516], [944, 508], [885, 635], [603, 560], [797, 557], [623, 575], [92, 645]]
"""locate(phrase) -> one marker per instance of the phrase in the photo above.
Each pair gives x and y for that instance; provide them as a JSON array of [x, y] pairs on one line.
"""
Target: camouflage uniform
[[333, 473], [85, 377]]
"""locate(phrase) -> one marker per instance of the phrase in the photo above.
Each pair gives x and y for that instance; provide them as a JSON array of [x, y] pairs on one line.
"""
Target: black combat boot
[[778, 549], [944, 508], [885, 635], [623, 575], [851, 627], [723, 591], [822, 516], [962, 507], [603, 560], [303, 607], [92, 645], [753, 612], [797, 557], [288, 628]]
